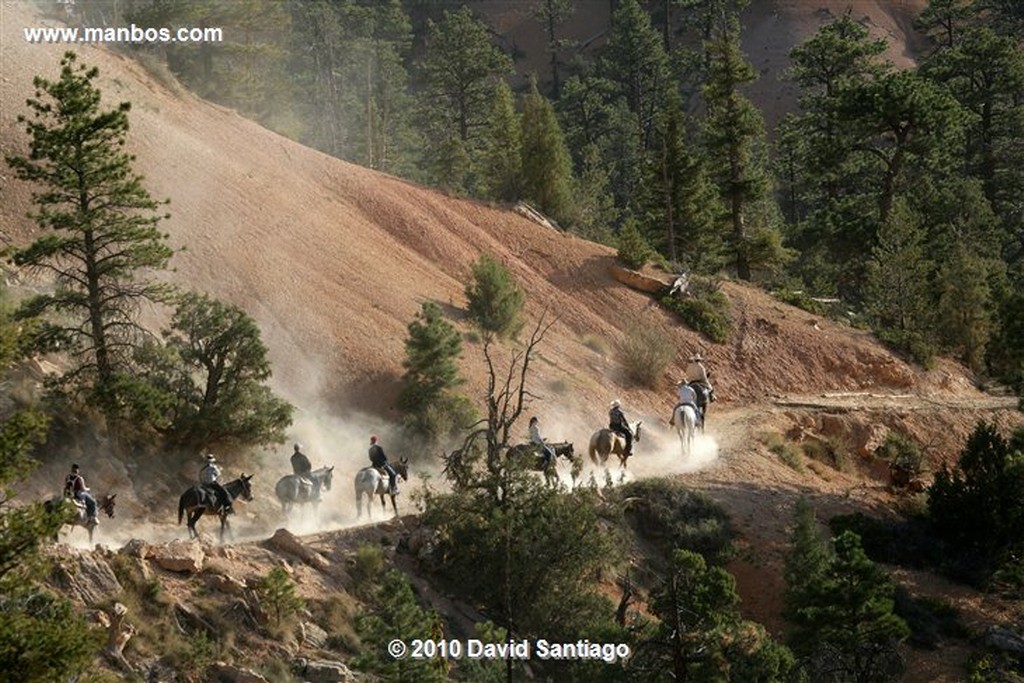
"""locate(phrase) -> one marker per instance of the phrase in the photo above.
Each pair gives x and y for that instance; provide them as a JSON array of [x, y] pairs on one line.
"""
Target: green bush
[[369, 563], [801, 300], [901, 452], [277, 591], [678, 518], [703, 308], [788, 452], [634, 251], [646, 354], [495, 300]]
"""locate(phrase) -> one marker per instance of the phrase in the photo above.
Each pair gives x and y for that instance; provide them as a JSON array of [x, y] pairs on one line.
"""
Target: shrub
[[634, 251], [704, 308], [495, 300], [646, 354], [369, 563], [678, 518], [787, 451], [277, 590], [901, 453]]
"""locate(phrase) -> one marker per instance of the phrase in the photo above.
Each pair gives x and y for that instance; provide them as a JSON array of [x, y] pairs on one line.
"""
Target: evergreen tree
[[398, 615], [459, 72], [848, 619], [595, 210], [976, 503], [944, 20], [965, 306], [503, 162], [682, 200], [634, 251], [551, 14], [546, 164], [700, 635], [733, 133], [101, 227], [495, 300], [216, 378], [634, 59], [896, 292], [807, 566], [430, 353], [42, 638]]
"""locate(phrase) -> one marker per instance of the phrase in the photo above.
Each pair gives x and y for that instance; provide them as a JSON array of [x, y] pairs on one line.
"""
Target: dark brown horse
[[537, 463], [198, 499]]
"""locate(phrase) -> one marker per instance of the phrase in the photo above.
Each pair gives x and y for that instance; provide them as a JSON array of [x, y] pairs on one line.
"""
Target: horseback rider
[[302, 468], [74, 487], [697, 376], [209, 476], [546, 452], [379, 460], [687, 397], [618, 424]]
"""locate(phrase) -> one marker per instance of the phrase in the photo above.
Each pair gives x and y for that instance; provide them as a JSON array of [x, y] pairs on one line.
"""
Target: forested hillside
[[892, 180]]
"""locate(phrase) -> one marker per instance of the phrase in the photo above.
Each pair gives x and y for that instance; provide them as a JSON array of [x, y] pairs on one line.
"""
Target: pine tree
[[849, 621], [216, 381], [896, 293], [550, 14], [944, 20], [965, 306], [495, 300], [634, 59], [733, 134], [700, 635], [103, 226], [546, 164], [430, 350], [807, 566], [503, 162], [459, 73], [634, 251], [683, 202]]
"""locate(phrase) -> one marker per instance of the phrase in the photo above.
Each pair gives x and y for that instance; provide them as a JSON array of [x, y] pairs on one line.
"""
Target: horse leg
[[394, 505], [193, 517]]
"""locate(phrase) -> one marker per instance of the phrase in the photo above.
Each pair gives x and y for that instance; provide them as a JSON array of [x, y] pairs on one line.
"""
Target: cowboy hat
[[210, 457], [615, 404]]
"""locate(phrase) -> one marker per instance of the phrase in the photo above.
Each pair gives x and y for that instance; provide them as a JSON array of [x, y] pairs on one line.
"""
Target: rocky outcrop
[[179, 556], [87, 577], [285, 541], [228, 673], [323, 671]]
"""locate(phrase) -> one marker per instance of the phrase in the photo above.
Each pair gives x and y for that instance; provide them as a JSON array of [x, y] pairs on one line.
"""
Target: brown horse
[[536, 463], [605, 442]]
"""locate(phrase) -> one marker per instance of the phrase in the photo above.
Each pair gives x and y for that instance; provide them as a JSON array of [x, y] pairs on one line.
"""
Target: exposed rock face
[[228, 673], [312, 635], [323, 671], [180, 556], [87, 577], [226, 584]]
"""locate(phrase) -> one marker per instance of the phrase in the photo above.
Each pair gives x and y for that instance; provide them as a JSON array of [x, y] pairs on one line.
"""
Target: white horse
[[370, 482], [685, 419]]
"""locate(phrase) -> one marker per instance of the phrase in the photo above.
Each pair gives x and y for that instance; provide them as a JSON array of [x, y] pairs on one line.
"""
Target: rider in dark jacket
[[618, 424], [74, 487], [379, 460], [302, 467]]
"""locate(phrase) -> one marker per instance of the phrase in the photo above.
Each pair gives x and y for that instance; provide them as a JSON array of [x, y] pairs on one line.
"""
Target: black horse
[[75, 516], [563, 449], [198, 499], [291, 490]]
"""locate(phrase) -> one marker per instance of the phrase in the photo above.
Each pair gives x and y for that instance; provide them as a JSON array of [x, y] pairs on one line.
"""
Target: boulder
[[285, 541], [226, 584], [180, 556], [228, 673], [311, 635], [323, 671]]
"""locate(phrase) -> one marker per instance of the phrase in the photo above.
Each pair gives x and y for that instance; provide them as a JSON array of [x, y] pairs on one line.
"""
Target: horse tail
[[181, 508]]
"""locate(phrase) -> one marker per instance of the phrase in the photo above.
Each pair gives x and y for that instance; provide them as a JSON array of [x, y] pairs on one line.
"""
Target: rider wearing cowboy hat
[[209, 475], [696, 372], [687, 397], [547, 453], [618, 424]]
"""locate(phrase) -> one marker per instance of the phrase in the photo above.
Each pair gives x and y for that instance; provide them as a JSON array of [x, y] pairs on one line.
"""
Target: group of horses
[[292, 490]]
